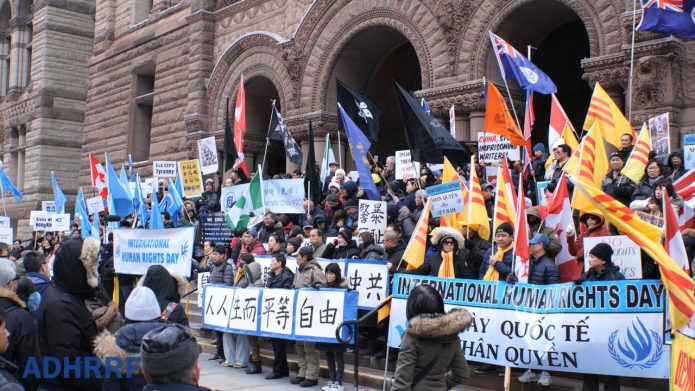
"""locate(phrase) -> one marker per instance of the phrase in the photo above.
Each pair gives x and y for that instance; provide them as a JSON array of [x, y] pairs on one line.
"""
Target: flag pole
[[267, 138], [632, 62], [340, 159], [2, 191]]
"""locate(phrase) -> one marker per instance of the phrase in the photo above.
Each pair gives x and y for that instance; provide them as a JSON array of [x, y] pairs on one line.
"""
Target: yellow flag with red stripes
[[414, 253], [606, 114], [637, 163], [682, 362], [679, 286], [474, 210], [385, 310], [590, 164], [505, 211], [449, 174]]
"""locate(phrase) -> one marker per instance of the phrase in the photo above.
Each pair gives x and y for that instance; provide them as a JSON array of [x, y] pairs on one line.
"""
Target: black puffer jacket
[[283, 280], [645, 188], [463, 265], [395, 255], [23, 340], [543, 271], [610, 273]]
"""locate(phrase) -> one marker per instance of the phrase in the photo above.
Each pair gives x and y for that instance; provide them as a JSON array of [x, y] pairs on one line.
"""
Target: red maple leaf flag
[[98, 176]]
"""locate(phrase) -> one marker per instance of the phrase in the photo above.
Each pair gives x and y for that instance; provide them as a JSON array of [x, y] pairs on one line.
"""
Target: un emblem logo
[[637, 347]]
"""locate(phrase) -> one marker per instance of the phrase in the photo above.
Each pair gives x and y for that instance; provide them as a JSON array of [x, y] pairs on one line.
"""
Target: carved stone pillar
[[611, 71], [5, 59], [21, 37]]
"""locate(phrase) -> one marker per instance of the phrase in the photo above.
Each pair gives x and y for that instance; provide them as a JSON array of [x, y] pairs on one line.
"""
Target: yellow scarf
[[446, 269], [239, 273], [492, 274]]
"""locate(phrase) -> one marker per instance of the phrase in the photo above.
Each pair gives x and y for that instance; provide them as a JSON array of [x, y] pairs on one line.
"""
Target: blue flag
[[7, 184], [513, 65], [424, 105], [174, 207], [359, 145], [668, 17], [95, 227], [123, 178], [178, 184], [58, 195], [156, 221], [131, 169], [143, 213], [121, 200], [81, 210]]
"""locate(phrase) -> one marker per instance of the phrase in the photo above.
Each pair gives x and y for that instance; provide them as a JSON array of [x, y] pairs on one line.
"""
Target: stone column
[[477, 123], [5, 47], [21, 36], [104, 25]]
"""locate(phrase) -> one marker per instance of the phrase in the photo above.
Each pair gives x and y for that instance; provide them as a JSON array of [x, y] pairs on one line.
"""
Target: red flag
[[685, 185], [240, 124], [521, 256], [98, 176], [529, 119], [673, 241], [559, 217]]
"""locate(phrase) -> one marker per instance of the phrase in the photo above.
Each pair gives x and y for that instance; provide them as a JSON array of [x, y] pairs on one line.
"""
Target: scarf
[[492, 274], [239, 274], [446, 269]]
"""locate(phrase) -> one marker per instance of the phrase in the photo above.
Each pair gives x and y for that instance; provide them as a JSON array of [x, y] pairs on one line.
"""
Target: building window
[[141, 10], [141, 125], [27, 68], [18, 146]]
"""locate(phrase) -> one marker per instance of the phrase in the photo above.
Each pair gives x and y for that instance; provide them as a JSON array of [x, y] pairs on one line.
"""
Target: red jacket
[[576, 246]]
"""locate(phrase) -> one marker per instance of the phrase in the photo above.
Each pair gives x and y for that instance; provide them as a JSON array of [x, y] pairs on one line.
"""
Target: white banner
[[135, 250], [230, 195], [372, 218], [284, 195], [492, 147], [318, 312], [277, 316], [217, 304], [49, 221], [202, 281], [6, 235], [404, 166], [626, 254], [245, 309], [164, 169], [207, 152], [370, 279], [95, 205], [447, 199]]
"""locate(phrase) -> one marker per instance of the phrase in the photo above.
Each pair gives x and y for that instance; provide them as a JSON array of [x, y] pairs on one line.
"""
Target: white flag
[[328, 158]]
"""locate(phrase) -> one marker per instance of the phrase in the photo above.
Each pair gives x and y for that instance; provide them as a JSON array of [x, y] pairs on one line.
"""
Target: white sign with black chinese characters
[[207, 153], [164, 169], [493, 147], [372, 218], [447, 198], [95, 205], [318, 312], [244, 315], [276, 311], [405, 168], [370, 279], [202, 282], [217, 303], [626, 254]]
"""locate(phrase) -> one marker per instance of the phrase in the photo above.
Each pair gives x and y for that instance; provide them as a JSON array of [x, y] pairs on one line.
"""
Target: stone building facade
[[161, 71]]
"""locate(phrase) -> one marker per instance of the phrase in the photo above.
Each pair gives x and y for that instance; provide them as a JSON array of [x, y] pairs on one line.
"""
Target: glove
[[578, 281], [569, 231], [317, 286], [511, 278]]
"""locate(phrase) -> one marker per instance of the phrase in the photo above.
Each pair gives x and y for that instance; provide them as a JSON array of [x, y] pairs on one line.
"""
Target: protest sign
[[404, 166], [660, 134], [95, 205], [45, 221], [214, 228], [230, 195], [202, 281], [207, 154], [150, 186], [626, 254], [540, 192], [4, 222], [61, 222], [49, 206], [135, 250], [372, 218], [493, 147], [491, 175], [284, 195], [192, 180], [612, 328], [447, 198], [163, 169], [370, 279], [6, 235], [689, 151], [300, 315]]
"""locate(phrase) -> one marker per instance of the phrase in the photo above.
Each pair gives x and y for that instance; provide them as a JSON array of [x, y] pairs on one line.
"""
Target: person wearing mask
[[334, 351], [281, 277], [221, 273], [38, 270], [309, 275], [430, 356], [451, 259], [170, 359], [168, 289], [537, 224]]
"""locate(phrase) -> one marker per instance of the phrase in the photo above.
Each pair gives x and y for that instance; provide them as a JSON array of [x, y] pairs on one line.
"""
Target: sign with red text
[[626, 254], [493, 147]]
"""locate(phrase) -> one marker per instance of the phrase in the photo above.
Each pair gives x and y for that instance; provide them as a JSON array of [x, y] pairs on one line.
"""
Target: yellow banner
[[682, 363], [192, 180]]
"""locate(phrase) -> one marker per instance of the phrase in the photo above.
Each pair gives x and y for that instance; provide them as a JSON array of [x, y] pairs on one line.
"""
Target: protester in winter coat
[[221, 273], [334, 351], [281, 277], [277, 244], [430, 357], [675, 166], [368, 249], [536, 223], [38, 270], [168, 288], [653, 172], [476, 245], [500, 256], [142, 315], [250, 274], [251, 245], [394, 248], [593, 225], [342, 247], [538, 162], [406, 221], [7, 381], [451, 259], [75, 280], [268, 227]]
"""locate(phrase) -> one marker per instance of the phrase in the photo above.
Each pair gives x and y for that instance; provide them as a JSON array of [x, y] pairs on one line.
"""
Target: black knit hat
[[602, 251], [506, 228]]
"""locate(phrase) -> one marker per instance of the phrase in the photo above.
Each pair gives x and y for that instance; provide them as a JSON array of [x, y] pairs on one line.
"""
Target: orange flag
[[474, 210], [414, 253], [498, 119], [449, 174], [505, 212]]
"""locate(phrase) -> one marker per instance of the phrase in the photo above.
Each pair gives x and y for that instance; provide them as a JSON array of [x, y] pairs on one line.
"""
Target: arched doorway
[[368, 63], [559, 42], [260, 93]]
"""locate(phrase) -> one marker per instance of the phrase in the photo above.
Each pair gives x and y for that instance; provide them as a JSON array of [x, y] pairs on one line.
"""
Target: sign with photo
[[207, 153], [660, 135]]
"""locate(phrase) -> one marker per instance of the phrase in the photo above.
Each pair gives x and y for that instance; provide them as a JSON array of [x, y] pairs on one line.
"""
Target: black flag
[[311, 176], [278, 130], [362, 110], [230, 155], [427, 138]]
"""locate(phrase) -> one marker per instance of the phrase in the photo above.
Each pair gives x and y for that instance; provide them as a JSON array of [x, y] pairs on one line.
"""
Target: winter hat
[[602, 251], [343, 234], [306, 251], [7, 272], [253, 232], [617, 154], [334, 185], [332, 198], [350, 188], [169, 349], [350, 204], [506, 228], [296, 243], [142, 305], [539, 147], [340, 171], [486, 185]]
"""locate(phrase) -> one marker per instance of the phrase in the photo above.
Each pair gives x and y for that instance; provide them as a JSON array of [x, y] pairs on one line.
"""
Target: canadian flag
[[521, 247], [673, 242], [98, 176], [685, 187], [559, 217]]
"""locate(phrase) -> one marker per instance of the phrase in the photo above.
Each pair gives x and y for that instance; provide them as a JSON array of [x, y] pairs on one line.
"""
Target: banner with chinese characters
[[135, 250], [370, 279], [372, 218], [192, 179], [612, 328], [300, 315]]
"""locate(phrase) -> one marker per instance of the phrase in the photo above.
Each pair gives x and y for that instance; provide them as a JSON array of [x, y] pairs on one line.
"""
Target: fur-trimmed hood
[[444, 232], [125, 343], [75, 267], [440, 325], [90, 260], [11, 296]]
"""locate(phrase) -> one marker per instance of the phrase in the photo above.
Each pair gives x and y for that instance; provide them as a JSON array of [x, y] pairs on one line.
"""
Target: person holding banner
[[430, 357], [281, 277]]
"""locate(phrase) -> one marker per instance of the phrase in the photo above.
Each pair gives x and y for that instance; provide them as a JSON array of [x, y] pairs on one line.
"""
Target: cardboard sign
[[6, 235], [493, 147], [447, 198], [372, 218], [95, 205], [192, 180], [405, 169], [689, 151], [626, 254], [164, 169], [207, 154], [49, 206]]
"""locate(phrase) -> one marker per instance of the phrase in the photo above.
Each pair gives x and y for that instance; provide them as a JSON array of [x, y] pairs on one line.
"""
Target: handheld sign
[[446, 198], [192, 180], [626, 254], [207, 153], [404, 166], [163, 169], [372, 218], [95, 205]]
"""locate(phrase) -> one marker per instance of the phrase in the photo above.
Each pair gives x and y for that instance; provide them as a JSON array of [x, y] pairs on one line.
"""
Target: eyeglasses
[[448, 243]]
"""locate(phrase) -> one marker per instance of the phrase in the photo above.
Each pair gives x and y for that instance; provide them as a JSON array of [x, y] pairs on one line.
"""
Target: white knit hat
[[142, 305]]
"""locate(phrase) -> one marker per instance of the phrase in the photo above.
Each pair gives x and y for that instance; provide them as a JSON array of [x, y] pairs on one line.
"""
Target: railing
[[352, 326]]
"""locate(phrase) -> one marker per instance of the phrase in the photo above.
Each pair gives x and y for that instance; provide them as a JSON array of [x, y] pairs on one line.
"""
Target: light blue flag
[[143, 213], [121, 200], [156, 221], [179, 184], [176, 204], [424, 105], [7, 184], [359, 145], [133, 176], [123, 178], [81, 210], [58, 195], [95, 227]]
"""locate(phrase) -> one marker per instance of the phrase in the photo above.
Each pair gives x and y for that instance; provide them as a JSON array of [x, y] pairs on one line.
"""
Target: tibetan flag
[[591, 166], [679, 286], [521, 237], [637, 162], [449, 174], [513, 65], [604, 112], [498, 118], [414, 253], [58, 195], [673, 241], [98, 176], [240, 124], [560, 130], [474, 210], [505, 210], [668, 17], [558, 218]]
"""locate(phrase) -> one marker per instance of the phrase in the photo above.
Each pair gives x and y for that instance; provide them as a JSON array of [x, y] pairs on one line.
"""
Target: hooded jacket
[[23, 341], [555, 244], [309, 275], [675, 174], [463, 265], [252, 276], [373, 251], [576, 246], [432, 337], [168, 289]]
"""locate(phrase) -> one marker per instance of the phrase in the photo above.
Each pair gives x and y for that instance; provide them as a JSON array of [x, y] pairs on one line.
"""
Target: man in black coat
[[395, 248], [281, 277], [7, 381]]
